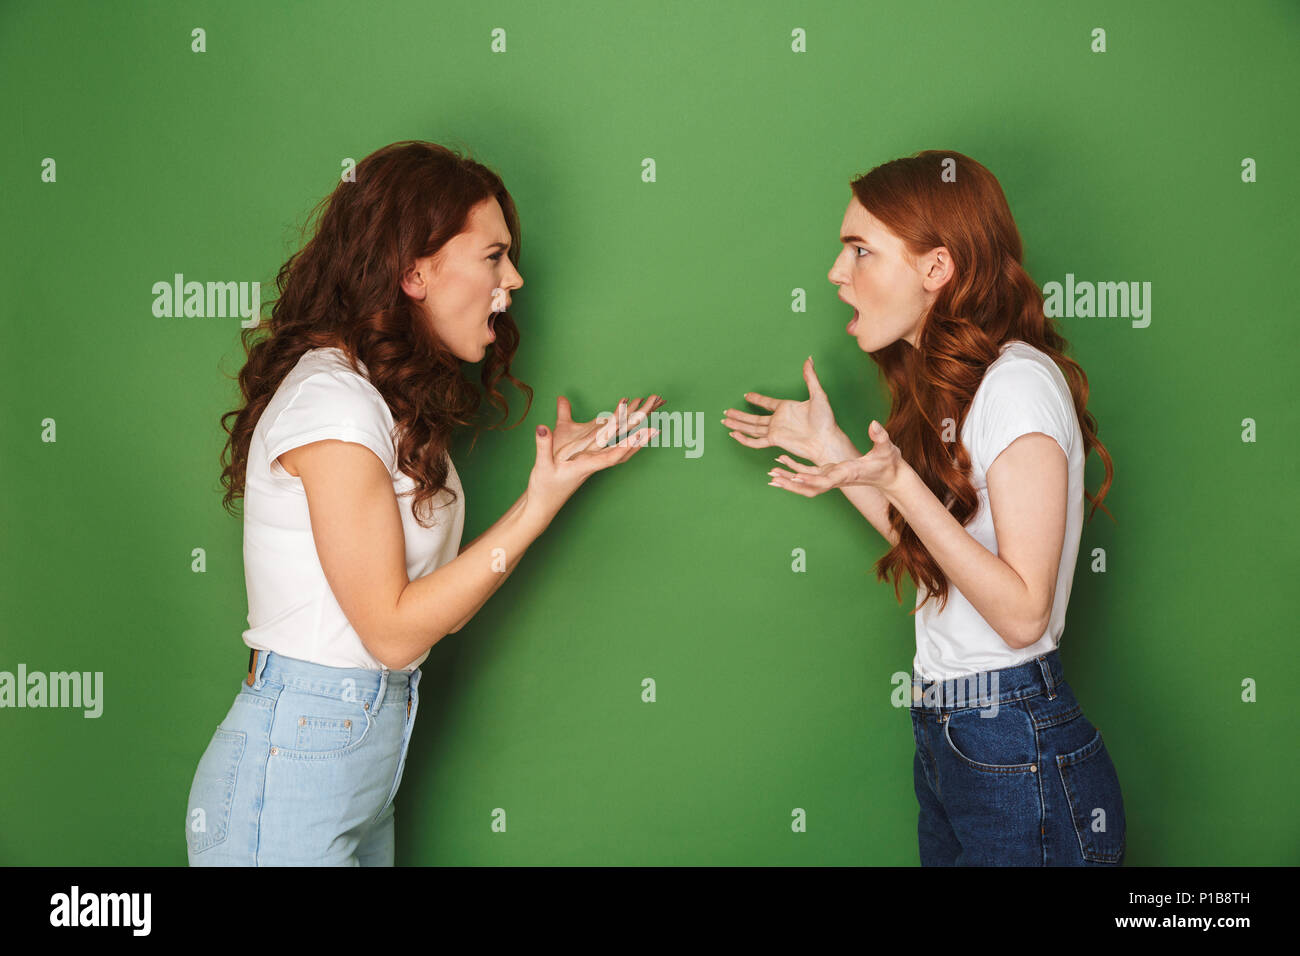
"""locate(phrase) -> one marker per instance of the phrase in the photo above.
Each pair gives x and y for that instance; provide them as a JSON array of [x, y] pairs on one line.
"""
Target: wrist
[[895, 489], [836, 447], [532, 515]]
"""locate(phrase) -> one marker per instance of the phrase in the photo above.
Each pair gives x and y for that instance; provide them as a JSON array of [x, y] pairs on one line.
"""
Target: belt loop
[[1048, 681], [381, 692], [413, 681], [256, 665]]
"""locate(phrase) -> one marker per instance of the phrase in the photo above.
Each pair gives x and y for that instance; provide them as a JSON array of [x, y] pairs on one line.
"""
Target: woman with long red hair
[[976, 481], [353, 508]]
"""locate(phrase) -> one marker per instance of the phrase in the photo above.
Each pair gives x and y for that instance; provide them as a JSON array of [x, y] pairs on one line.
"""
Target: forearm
[[500, 578], [991, 585], [432, 606], [871, 502]]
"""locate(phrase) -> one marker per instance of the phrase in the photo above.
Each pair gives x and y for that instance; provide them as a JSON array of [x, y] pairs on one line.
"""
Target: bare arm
[[1012, 590], [511, 562], [870, 501], [358, 534]]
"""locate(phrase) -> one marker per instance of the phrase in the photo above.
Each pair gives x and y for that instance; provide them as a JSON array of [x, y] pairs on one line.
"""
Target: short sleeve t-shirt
[[291, 609], [1023, 391]]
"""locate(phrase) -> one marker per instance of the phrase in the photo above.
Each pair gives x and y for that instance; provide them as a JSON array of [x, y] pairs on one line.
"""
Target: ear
[[414, 281], [940, 268]]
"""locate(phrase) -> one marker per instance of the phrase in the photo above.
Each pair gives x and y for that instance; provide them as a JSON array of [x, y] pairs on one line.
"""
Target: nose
[[834, 268], [516, 282]]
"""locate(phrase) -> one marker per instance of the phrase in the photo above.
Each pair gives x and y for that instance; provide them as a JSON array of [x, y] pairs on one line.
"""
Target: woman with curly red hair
[[353, 508], [976, 481]]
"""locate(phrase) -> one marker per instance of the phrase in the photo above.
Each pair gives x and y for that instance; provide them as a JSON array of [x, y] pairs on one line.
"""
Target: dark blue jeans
[[1009, 772]]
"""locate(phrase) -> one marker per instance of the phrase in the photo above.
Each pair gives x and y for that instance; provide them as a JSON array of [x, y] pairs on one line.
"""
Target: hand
[[878, 468], [806, 429], [563, 464], [572, 438]]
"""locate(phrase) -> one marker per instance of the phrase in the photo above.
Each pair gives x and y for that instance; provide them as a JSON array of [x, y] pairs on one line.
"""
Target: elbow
[[1027, 634], [393, 655], [384, 655]]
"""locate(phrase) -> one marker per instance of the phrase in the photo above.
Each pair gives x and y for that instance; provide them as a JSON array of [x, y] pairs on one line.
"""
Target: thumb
[[563, 410], [544, 441], [877, 433], [810, 378]]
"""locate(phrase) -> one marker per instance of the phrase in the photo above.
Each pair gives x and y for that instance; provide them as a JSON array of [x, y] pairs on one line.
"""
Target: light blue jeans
[[304, 768]]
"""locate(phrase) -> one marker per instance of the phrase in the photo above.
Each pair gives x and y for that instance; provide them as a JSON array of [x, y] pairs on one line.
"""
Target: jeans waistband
[[1038, 676], [345, 683]]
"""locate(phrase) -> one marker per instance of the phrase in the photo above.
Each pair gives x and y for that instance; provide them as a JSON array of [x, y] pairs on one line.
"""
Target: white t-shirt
[[1022, 391], [291, 609]]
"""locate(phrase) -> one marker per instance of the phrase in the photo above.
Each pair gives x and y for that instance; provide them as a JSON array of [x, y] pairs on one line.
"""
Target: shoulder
[[1021, 369], [1021, 392], [325, 377], [324, 397]]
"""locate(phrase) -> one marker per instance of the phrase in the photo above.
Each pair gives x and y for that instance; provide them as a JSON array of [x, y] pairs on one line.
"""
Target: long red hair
[[342, 289], [943, 198]]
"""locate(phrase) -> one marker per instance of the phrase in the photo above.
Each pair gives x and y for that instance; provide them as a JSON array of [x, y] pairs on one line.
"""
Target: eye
[[863, 251], [497, 255]]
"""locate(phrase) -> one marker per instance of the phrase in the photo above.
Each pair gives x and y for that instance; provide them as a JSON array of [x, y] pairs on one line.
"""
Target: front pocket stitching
[[1069, 760], [1044, 722], [339, 725], [317, 755], [327, 754], [985, 767]]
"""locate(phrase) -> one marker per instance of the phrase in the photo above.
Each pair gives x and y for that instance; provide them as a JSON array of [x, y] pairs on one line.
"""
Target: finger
[[797, 487], [810, 378], [650, 404], [563, 411], [638, 441], [797, 466], [876, 432], [610, 428], [782, 473], [745, 440], [731, 415], [756, 431], [624, 423], [762, 401], [596, 461]]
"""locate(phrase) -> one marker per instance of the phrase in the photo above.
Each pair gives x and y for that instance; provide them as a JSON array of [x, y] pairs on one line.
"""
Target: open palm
[[803, 428], [878, 468], [585, 438]]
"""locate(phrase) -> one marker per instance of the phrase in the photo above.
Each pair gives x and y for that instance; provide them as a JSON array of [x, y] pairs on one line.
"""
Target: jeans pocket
[[1096, 803], [315, 725], [207, 816], [994, 742]]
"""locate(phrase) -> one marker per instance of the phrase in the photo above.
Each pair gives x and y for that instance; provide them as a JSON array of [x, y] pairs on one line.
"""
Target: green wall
[[773, 687]]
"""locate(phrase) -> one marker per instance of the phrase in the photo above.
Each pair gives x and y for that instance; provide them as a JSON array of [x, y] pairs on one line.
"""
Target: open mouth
[[852, 327]]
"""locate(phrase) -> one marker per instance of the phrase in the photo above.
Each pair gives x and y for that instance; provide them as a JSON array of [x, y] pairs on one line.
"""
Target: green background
[[774, 688]]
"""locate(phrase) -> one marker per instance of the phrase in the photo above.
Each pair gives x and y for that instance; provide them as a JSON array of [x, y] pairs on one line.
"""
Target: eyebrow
[[854, 239], [493, 245]]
